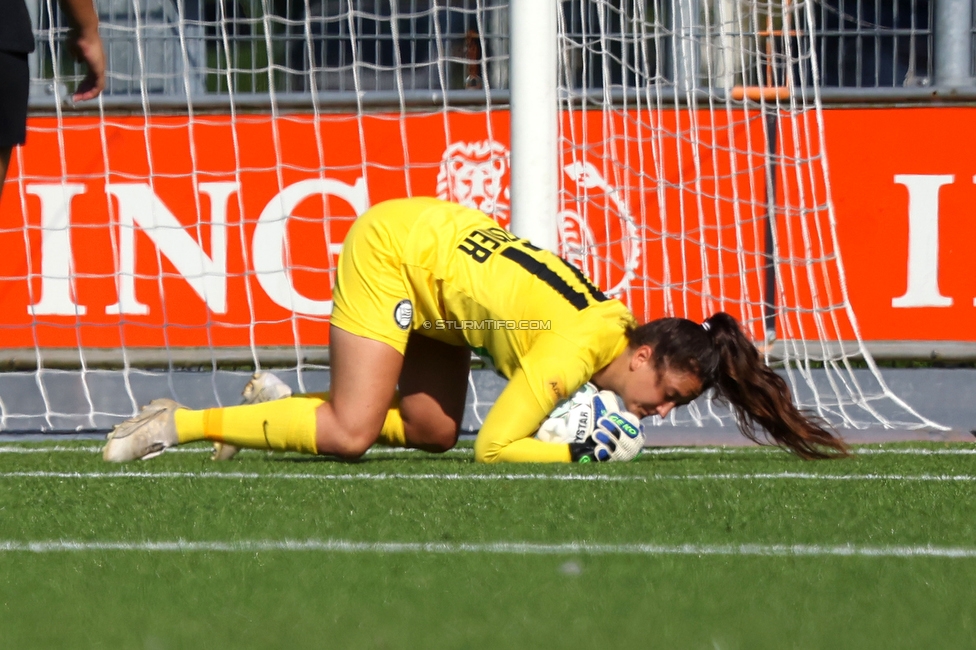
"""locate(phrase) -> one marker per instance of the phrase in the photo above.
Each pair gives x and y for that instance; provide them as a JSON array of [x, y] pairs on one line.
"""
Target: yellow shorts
[[372, 297]]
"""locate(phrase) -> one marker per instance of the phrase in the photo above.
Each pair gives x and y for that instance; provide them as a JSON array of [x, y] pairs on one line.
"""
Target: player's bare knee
[[349, 449], [347, 443], [435, 436], [444, 438]]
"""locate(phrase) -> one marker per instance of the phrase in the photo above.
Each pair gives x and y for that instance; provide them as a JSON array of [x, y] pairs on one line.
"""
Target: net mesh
[[191, 218]]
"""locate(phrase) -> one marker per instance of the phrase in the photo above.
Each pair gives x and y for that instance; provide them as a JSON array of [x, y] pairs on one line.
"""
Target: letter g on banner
[[270, 236]]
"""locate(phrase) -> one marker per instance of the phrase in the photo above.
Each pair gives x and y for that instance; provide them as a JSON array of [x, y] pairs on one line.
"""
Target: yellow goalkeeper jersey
[[451, 273]]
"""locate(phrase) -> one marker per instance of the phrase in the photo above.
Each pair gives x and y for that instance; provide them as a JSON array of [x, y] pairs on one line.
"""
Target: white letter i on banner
[[56, 262], [923, 240]]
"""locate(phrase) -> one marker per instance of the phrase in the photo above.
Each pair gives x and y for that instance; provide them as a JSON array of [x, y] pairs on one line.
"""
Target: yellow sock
[[189, 425], [393, 434], [284, 424]]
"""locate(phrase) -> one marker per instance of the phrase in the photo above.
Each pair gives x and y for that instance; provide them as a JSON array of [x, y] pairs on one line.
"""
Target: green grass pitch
[[742, 548]]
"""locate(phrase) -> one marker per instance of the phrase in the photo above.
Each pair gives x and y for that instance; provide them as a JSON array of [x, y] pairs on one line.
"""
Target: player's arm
[[86, 45], [506, 435], [552, 370]]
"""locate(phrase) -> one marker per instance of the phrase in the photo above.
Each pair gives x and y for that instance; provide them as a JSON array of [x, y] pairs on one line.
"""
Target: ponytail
[[760, 396], [720, 354]]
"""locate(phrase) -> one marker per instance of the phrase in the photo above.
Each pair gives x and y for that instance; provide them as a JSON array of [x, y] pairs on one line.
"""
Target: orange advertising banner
[[166, 231], [904, 188]]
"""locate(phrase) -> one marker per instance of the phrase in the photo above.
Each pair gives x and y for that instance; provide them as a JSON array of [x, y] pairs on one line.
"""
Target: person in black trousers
[[16, 42]]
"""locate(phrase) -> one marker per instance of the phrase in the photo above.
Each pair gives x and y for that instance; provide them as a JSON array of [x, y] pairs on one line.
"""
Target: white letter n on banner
[[923, 240], [207, 275]]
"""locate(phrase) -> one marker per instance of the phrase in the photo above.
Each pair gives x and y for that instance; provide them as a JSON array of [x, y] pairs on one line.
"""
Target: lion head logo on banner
[[474, 175], [597, 232]]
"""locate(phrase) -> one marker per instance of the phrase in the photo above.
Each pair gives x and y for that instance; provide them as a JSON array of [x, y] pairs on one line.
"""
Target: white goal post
[[183, 229]]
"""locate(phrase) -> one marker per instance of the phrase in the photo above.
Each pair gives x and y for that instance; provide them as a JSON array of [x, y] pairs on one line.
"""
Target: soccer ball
[[573, 418]]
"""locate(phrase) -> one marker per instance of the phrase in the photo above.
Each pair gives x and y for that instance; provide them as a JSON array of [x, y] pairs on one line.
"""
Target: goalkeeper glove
[[616, 437]]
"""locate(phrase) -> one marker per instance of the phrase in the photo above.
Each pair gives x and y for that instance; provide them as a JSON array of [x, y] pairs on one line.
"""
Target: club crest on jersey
[[403, 314]]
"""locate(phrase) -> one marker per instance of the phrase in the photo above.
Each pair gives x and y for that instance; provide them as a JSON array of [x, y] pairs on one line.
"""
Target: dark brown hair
[[722, 357]]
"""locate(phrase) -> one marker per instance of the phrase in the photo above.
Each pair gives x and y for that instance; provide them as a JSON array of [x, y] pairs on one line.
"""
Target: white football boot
[[145, 436], [263, 387]]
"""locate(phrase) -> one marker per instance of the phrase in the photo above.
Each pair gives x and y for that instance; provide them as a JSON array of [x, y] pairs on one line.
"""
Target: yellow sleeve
[[551, 371], [506, 435]]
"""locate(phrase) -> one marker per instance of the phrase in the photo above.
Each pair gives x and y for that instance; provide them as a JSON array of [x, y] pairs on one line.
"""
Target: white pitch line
[[329, 477], [493, 548], [818, 477], [366, 476], [15, 449], [805, 476], [704, 451], [60, 449], [464, 451], [707, 451], [963, 451]]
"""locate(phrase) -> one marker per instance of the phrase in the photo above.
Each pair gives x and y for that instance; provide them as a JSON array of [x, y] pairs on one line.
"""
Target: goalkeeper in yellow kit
[[422, 283]]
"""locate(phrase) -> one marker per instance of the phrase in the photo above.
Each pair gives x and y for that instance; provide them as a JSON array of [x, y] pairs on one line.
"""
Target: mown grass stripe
[[499, 548]]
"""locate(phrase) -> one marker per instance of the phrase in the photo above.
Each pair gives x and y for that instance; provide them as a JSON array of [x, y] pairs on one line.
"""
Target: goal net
[[183, 230]]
